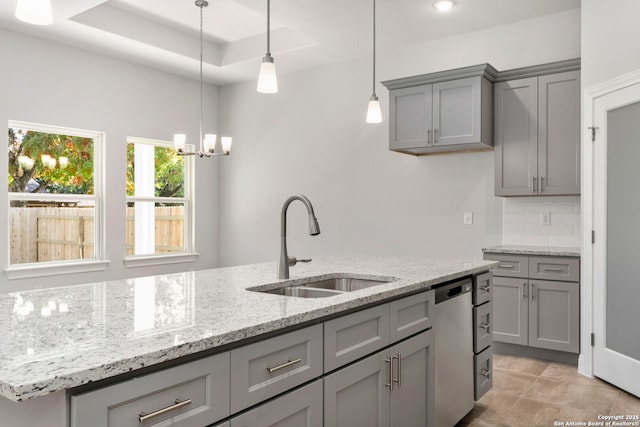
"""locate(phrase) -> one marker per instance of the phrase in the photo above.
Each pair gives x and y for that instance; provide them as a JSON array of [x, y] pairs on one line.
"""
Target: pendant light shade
[[37, 12], [267, 79], [374, 113]]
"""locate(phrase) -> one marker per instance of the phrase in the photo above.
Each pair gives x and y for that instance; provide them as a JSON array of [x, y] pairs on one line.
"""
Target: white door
[[616, 251]]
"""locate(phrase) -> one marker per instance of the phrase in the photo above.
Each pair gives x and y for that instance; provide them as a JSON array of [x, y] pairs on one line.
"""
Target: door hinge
[[593, 339], [593, 236], [593, 132]]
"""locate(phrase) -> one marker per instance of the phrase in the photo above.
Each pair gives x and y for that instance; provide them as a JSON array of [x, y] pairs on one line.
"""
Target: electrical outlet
[[545, 218], [468, 218]]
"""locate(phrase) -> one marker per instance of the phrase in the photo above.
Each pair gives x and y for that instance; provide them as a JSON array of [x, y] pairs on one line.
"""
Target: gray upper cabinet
[[537, 137], [441, 112]]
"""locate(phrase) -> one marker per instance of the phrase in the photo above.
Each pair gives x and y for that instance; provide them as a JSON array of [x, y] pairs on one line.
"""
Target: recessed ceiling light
[[444, 5]]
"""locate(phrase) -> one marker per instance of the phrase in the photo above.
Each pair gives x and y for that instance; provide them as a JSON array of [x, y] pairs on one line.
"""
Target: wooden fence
[[40, 234]]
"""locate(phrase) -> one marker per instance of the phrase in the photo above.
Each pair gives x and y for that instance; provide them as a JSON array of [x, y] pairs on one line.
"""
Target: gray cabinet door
[[410, 315], [559, 133], [510, 310], [356, 396], [457, 111], [410, 117], [516, 137], [299, 408], [554, 315], [412, 399]]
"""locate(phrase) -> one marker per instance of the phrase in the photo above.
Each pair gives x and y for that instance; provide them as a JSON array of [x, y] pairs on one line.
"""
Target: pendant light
[[37, 12], [207, 141], [267, 79], [374, 114]]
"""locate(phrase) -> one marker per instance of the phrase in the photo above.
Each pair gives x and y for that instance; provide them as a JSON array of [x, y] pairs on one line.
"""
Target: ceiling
[[304, 33]]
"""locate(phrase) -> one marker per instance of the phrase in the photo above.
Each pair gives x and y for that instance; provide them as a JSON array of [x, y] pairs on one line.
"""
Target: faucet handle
[[293, 260]]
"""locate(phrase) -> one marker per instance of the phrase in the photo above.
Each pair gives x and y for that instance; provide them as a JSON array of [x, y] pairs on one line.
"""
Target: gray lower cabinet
[[393, 387], [379, 366], [537, 135], [511, 310], [534, 312], [269, 367], [189, 395], [299, 408]]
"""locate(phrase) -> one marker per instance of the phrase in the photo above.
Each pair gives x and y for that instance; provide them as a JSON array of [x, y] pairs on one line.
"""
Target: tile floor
[[533, 392]]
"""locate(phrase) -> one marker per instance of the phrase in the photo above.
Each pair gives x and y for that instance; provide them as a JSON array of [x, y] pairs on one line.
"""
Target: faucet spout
[[314, 230]]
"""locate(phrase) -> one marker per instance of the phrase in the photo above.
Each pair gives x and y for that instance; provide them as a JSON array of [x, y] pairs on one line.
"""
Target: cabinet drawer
[[554, 268], [272, 366], [482, 335], [193, 394], [299, 408], [481, 288], [483, 372], [353, 336], [411, 315], [509, 265]]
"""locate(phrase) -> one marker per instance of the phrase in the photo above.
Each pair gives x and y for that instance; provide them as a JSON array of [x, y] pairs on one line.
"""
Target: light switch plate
[[545, 218], [468, 218]]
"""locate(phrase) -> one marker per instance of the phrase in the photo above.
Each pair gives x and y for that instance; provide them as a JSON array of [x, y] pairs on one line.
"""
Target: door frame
[[587, 268]]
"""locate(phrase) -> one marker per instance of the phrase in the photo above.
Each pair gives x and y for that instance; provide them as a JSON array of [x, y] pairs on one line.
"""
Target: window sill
[[53, 269], [151, 260]]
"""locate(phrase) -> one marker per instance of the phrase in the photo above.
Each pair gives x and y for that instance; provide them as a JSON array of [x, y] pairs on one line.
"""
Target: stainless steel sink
[[345, 284], [303, 292], [322, 288]]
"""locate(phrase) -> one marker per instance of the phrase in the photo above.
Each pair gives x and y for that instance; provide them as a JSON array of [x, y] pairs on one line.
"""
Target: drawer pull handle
[[399, 379], [142, 416], [390, 383], [284, 365], [485, 288], [485, 373], [485, 326], [552, 269], [505, 266]]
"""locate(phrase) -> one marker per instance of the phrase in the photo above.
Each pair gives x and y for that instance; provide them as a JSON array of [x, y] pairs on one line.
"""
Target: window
[[54, 182], [158, 199]]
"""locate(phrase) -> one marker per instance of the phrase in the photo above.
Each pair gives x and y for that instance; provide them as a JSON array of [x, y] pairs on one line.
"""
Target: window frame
[[189, 253], [50, 268]]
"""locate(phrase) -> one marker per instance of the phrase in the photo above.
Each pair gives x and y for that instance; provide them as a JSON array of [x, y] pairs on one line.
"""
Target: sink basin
[[303, 292], [345, 284], [322, 288]]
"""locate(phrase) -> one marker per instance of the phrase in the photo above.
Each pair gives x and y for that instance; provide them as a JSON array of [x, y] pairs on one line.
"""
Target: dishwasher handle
[[452, 290]]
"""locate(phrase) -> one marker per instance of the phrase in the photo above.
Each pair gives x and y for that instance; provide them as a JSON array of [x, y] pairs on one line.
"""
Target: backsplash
[[522, 221]]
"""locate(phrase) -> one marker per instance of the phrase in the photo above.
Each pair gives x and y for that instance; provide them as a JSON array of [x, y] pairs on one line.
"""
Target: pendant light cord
[[374, 47], [201, 85], [268, 27]]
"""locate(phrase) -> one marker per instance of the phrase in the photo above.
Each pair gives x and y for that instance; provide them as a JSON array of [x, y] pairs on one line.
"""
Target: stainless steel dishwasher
[[453, 326]]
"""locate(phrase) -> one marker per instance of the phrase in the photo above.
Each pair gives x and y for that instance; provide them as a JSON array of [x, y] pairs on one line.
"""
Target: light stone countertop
[[534, 250], [60, 338]]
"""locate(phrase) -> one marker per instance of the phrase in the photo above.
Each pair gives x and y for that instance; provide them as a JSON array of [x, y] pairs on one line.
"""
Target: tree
[[169, 172], [71, 176]]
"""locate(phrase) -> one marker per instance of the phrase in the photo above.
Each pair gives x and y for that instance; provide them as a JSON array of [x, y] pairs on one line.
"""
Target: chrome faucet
[[314, 229]]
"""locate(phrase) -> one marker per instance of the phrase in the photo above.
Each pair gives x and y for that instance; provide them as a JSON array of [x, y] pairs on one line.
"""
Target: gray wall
[[53, 84], [311, 138]]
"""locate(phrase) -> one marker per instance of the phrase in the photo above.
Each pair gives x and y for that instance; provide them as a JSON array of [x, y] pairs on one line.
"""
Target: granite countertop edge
[[39, 379], [534, 250]]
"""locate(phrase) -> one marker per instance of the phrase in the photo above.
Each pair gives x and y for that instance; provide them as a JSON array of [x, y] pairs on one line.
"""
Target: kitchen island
[[56, 341]]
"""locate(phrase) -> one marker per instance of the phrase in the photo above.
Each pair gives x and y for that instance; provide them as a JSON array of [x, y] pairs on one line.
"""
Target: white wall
[[52, 84], [609, 39], [311, 138]]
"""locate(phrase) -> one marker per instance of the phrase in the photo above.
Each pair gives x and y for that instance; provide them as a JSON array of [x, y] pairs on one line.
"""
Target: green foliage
[[169, 172], [75, 178]]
